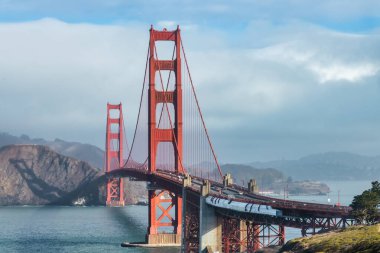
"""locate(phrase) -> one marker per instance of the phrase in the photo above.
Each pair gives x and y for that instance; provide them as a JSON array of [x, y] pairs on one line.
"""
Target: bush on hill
[[365, 207]]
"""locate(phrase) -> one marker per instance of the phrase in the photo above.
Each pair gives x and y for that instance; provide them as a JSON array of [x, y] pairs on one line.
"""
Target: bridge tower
[[157, 135], [114, 154]]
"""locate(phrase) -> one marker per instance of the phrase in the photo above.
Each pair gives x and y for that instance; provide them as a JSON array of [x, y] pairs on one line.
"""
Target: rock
[[36, 175], [306, 187]]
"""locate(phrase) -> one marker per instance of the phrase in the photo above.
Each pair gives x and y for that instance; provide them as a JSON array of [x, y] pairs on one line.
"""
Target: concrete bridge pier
[[206, 230], [210, 229], [202, 227], [164, 201]]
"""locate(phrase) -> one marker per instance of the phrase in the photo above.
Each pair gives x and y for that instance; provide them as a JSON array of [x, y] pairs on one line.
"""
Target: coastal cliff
[[36, 175]]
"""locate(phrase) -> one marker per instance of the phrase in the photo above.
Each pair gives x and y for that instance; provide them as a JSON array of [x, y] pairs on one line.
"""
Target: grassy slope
[[354, 239]]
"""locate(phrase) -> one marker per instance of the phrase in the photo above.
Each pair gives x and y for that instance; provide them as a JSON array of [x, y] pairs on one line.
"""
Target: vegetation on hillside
[[351, 240], [366, 205]]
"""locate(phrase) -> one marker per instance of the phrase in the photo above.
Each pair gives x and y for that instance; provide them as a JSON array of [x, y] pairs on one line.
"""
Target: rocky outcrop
[[306, 187], [36, 175]]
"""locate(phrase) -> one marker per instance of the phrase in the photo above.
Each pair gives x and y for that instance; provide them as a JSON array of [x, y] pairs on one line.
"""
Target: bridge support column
[[233, 235], [191, 234], [115, 192], [281, 235], [271, 235], [210, 228], [163, 227], [114, 155], [253, 236]]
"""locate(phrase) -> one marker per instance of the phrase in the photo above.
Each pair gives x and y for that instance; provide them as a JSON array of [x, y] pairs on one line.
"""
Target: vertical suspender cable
[[203, 123]]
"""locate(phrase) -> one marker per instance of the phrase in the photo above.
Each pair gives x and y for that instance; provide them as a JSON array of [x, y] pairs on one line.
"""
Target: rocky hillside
[[36, 175], [85, 152]]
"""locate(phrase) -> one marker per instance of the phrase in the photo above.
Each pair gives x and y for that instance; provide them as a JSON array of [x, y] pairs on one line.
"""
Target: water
[[102, 229], [73, 229], [340, 191]]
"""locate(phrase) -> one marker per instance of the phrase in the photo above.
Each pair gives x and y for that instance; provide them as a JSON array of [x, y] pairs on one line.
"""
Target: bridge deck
[[241, 194]]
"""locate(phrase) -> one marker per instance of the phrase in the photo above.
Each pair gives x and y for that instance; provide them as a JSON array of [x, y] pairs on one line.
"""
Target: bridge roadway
[[293, 213]]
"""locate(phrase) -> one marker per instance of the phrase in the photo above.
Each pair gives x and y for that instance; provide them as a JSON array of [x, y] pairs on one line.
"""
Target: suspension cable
[[200, 112], [138, 115]]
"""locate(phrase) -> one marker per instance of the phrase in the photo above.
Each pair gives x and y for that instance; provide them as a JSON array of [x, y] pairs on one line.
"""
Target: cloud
[[54, 73], [257, 89], [342, 72]]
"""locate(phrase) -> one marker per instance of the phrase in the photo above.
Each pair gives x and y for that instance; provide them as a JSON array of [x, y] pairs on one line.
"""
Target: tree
[[365, 206]]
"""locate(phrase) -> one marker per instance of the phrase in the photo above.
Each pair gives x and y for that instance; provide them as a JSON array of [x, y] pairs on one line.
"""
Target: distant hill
[[243, 173], [328, 166], [273, 180], [85, 152], [37, 175]]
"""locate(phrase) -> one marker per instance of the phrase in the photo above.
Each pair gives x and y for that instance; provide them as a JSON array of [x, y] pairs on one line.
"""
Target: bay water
[[103, 229]]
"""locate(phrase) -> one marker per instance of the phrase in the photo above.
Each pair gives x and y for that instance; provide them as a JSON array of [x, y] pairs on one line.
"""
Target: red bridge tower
[[114, 155], [173, 135]]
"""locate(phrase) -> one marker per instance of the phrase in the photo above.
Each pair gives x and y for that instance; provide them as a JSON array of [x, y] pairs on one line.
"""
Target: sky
[[275, 79]]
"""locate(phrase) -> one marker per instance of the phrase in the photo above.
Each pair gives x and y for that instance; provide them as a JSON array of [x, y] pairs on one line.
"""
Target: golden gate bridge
[[191, 202]]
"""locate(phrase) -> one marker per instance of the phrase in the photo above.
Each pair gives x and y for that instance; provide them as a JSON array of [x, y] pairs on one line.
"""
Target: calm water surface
[[102, 229], [72, 229]]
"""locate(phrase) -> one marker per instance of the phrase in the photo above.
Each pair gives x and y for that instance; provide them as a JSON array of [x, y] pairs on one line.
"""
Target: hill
[[328, 166], [243, 173], [36, 175], [85, 152], [273, 180], [351, 240]]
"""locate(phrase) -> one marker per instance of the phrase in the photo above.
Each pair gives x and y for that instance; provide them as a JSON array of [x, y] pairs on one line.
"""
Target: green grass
[[358, 239]]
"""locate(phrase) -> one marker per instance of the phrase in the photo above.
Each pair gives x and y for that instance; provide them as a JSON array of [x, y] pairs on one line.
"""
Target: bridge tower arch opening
[[166, 97]]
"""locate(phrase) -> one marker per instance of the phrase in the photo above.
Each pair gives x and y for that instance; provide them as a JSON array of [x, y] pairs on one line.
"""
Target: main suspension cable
[[139, 112]]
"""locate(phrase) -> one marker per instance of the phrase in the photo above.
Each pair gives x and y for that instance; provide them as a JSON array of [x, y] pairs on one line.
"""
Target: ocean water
[[340, 191], [102, 229], [73, 229]]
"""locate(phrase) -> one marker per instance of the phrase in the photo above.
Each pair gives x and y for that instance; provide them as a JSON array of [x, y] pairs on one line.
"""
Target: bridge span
[[237, 209], [191, 203]]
